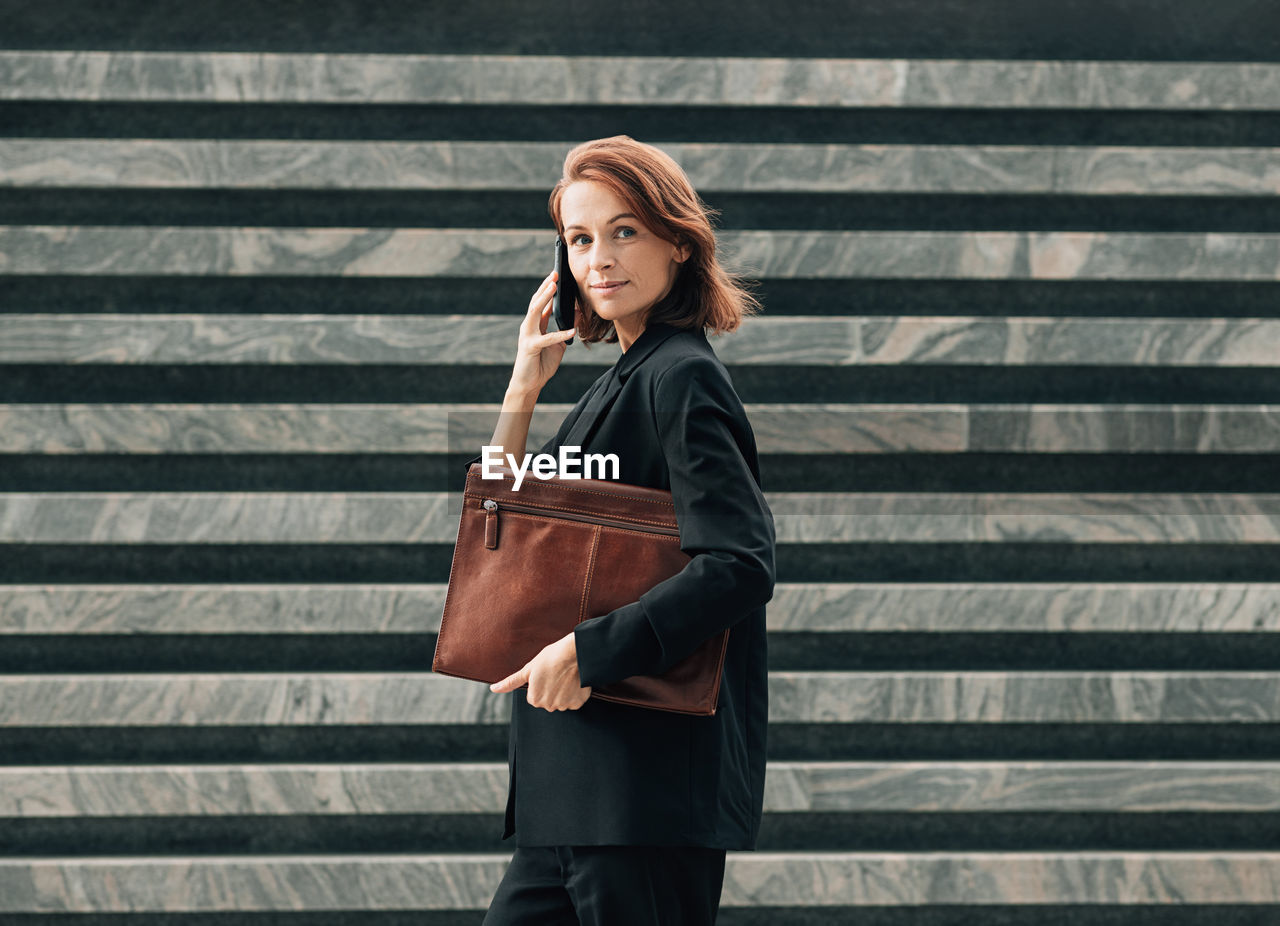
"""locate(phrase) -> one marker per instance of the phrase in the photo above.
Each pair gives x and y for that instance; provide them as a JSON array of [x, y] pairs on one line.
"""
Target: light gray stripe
[[790, 787], [999, 787], [779, 428], [490, 339], [465, 881], [254, 77], [269, 699], [818, 607], [1051, 697], [221, 608], [711, 167], [429, 252], [273, 699], [800, 517]]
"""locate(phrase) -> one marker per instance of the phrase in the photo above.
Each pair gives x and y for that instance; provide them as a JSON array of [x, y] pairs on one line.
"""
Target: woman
[[623, 815]]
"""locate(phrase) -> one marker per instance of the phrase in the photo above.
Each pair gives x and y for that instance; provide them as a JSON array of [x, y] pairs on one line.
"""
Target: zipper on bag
[[491, 507]]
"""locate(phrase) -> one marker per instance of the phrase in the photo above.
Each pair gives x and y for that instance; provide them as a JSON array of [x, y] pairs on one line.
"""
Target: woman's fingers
[[512, 681], [538, 305], [555, 337], [553, 683], [533, 367], [535, 346]]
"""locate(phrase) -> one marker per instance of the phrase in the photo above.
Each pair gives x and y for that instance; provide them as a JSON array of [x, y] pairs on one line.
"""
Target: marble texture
[[1051, 786], [240, 517], [291, 699], [427, 252], [1048, 697], [800, 517], [806, 879], [490, 339], [258, 789], [918, 879], [782, 428], [398, 698], [256, 77], [1123, 428], [809, 607], [261, 428], [271, 789], [214, 884], [1085, 517], [221, 608], [711, 167]]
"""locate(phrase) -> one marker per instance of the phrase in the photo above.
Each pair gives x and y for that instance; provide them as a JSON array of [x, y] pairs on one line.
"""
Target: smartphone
[[566, 297]]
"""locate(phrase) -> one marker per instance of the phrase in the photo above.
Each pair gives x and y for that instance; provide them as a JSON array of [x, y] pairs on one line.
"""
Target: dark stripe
[[825, 211], [459, 296], [264, 743], [835, 472], [797, 650], [1226, 742], [815, 562], [941, 742], [828, 831], [1233, 30], [356, 383], [945, 125], [1171, 914]]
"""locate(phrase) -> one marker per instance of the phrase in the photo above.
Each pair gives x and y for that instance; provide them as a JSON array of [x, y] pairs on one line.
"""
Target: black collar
[[653, 335]]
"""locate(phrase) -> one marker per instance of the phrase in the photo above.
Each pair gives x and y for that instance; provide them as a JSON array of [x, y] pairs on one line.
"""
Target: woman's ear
[[683, 250]]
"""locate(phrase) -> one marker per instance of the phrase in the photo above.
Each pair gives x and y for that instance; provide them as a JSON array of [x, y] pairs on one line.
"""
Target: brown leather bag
[[530, 565]]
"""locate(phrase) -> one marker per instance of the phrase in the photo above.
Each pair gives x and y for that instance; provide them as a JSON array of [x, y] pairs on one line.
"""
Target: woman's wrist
[[519, 398]]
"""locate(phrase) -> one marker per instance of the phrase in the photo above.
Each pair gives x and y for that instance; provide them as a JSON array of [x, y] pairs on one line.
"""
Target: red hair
[[704, 295]]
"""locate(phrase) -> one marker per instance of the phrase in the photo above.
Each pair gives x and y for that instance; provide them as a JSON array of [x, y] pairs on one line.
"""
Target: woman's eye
[[578, 239]]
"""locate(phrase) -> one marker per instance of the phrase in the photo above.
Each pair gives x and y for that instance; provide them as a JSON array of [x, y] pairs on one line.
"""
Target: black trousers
[[609, 886]]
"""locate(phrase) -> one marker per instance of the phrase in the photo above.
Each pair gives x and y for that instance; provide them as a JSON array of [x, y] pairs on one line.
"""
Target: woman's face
[[621, 266]]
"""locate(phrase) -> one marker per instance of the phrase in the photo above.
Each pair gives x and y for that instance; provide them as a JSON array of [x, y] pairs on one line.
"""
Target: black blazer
[[612, 774]]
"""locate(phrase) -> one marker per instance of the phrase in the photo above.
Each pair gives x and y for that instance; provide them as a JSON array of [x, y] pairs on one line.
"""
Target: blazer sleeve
[[725, 524]]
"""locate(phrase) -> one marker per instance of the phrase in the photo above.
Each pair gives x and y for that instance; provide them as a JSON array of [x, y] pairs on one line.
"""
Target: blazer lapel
[[581, 431], [594, 410]]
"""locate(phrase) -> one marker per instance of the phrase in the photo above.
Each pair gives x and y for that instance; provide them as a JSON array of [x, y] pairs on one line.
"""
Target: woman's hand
[[552, 677], [538, 354]]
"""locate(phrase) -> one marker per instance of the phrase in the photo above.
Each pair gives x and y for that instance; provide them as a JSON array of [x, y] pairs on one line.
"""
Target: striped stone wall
[[1016, 392]]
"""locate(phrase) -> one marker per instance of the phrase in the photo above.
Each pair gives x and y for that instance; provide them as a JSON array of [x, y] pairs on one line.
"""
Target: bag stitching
[[591, 571]]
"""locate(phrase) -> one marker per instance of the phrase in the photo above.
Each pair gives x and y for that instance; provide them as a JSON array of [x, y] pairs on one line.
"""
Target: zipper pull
[[490, 524]]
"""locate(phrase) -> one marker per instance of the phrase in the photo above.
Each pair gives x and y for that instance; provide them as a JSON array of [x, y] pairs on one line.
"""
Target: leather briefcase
[[530, 565]]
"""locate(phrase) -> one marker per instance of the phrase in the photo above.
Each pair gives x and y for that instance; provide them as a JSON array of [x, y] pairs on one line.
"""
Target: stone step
[[781, 428], [169, 164], [372, 882], [29, 338], [496, 253], [819, 607], [800, 517], [309, 699], [256, 77], [270, 789]]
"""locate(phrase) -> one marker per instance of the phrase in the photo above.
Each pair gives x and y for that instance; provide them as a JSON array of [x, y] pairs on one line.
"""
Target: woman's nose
[[600, 257]]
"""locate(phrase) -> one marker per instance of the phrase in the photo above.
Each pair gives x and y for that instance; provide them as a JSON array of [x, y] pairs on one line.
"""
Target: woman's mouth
[[608, 289]]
